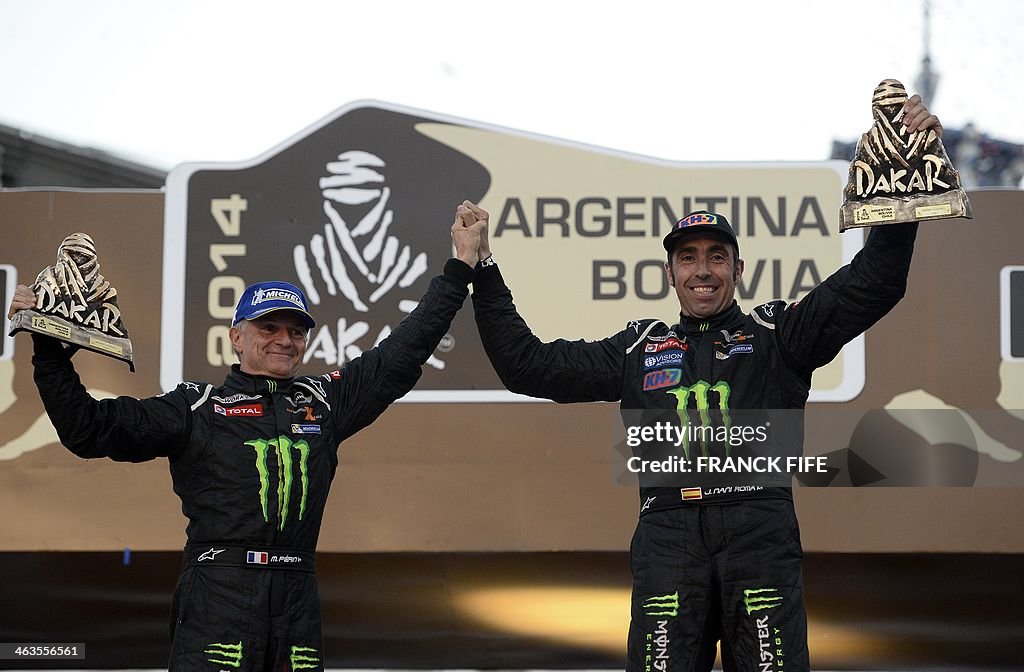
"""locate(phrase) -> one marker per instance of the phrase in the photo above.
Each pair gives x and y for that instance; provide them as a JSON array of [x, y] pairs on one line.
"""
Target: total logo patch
[[670, 358], [667, 344], [655, 380], [247, 411], [305, 429]]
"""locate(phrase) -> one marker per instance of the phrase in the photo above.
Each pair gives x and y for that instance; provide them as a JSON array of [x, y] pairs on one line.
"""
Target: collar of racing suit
[[691, 326], [244, 382]]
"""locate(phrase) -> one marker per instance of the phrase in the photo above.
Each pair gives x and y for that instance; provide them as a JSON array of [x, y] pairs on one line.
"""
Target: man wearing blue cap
[[252, 461], [722, 561]]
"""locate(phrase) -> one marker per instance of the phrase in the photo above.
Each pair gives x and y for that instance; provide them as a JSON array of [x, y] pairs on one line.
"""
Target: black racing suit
[[252, 461], [710, 561]]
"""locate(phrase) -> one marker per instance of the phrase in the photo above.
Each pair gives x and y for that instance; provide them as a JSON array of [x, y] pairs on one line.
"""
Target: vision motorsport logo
[[286, 467], [662, 605]]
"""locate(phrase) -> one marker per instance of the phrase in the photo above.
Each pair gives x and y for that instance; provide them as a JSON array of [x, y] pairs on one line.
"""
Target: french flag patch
[[257, 557]]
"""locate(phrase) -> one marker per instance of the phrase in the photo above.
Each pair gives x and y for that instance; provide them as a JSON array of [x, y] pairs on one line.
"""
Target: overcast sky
[[224, 80]]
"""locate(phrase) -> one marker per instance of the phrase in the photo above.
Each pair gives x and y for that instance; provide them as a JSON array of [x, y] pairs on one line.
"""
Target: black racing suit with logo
[[709, 563], [252, 461]]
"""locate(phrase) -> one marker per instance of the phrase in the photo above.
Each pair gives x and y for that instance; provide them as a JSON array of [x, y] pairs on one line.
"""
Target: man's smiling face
[[271, 345], [704, 270]]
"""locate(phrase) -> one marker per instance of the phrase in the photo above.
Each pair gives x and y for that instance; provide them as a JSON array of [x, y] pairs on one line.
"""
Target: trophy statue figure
[[76, 304], [898, 176]]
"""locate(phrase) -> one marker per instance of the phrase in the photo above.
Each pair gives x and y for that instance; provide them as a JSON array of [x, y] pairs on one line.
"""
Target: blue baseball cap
[[701, 221], [266, 297]]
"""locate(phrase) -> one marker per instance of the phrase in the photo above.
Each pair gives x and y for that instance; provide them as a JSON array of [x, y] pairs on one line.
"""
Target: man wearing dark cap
[[252, 461], [718, 563]]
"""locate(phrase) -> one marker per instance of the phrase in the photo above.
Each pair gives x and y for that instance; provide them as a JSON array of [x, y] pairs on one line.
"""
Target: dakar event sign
[[356, 210]]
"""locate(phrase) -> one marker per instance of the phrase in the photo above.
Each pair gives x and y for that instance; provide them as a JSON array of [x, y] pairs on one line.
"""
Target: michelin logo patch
[[736, 349], [305, 429]]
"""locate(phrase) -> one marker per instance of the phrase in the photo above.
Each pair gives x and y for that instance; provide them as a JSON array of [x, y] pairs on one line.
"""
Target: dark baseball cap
[[701, 221], [271, 295]]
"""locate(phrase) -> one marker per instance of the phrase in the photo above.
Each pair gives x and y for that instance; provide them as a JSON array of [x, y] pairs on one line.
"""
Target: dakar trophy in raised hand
[[77, 305], [900, 176]]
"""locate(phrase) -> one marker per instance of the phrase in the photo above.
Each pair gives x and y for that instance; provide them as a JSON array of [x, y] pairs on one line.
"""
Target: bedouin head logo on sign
[[356, 212]]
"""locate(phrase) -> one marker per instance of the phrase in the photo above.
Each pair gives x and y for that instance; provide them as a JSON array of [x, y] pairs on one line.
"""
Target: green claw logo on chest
[[283, 448], [699, 391]]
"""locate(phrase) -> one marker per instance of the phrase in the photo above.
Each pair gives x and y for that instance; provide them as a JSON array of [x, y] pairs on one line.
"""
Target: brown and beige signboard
[[356, 210]]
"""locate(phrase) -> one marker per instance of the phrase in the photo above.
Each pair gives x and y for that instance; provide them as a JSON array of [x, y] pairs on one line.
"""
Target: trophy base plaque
[[885, 210], [74, 334]]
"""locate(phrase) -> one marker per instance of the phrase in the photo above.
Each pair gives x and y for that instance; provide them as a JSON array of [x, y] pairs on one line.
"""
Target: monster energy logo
[[229, 654], [758, 599], [283, 447], [300, 659], [699, 391], [662, 605]]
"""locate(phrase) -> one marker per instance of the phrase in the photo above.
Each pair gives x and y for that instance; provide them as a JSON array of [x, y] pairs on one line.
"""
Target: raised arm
[[564, 371], [124, 429], [851, 300], [371, 382]]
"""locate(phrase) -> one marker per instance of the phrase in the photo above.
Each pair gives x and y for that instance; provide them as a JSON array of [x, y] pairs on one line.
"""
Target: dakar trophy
[[898, 176], [76, 305]]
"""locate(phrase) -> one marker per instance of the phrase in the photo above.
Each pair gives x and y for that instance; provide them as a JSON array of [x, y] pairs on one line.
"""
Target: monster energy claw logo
[[302, 660], [758, 599], [228, 654], [662, 605], [699, 391], [283, 447]]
